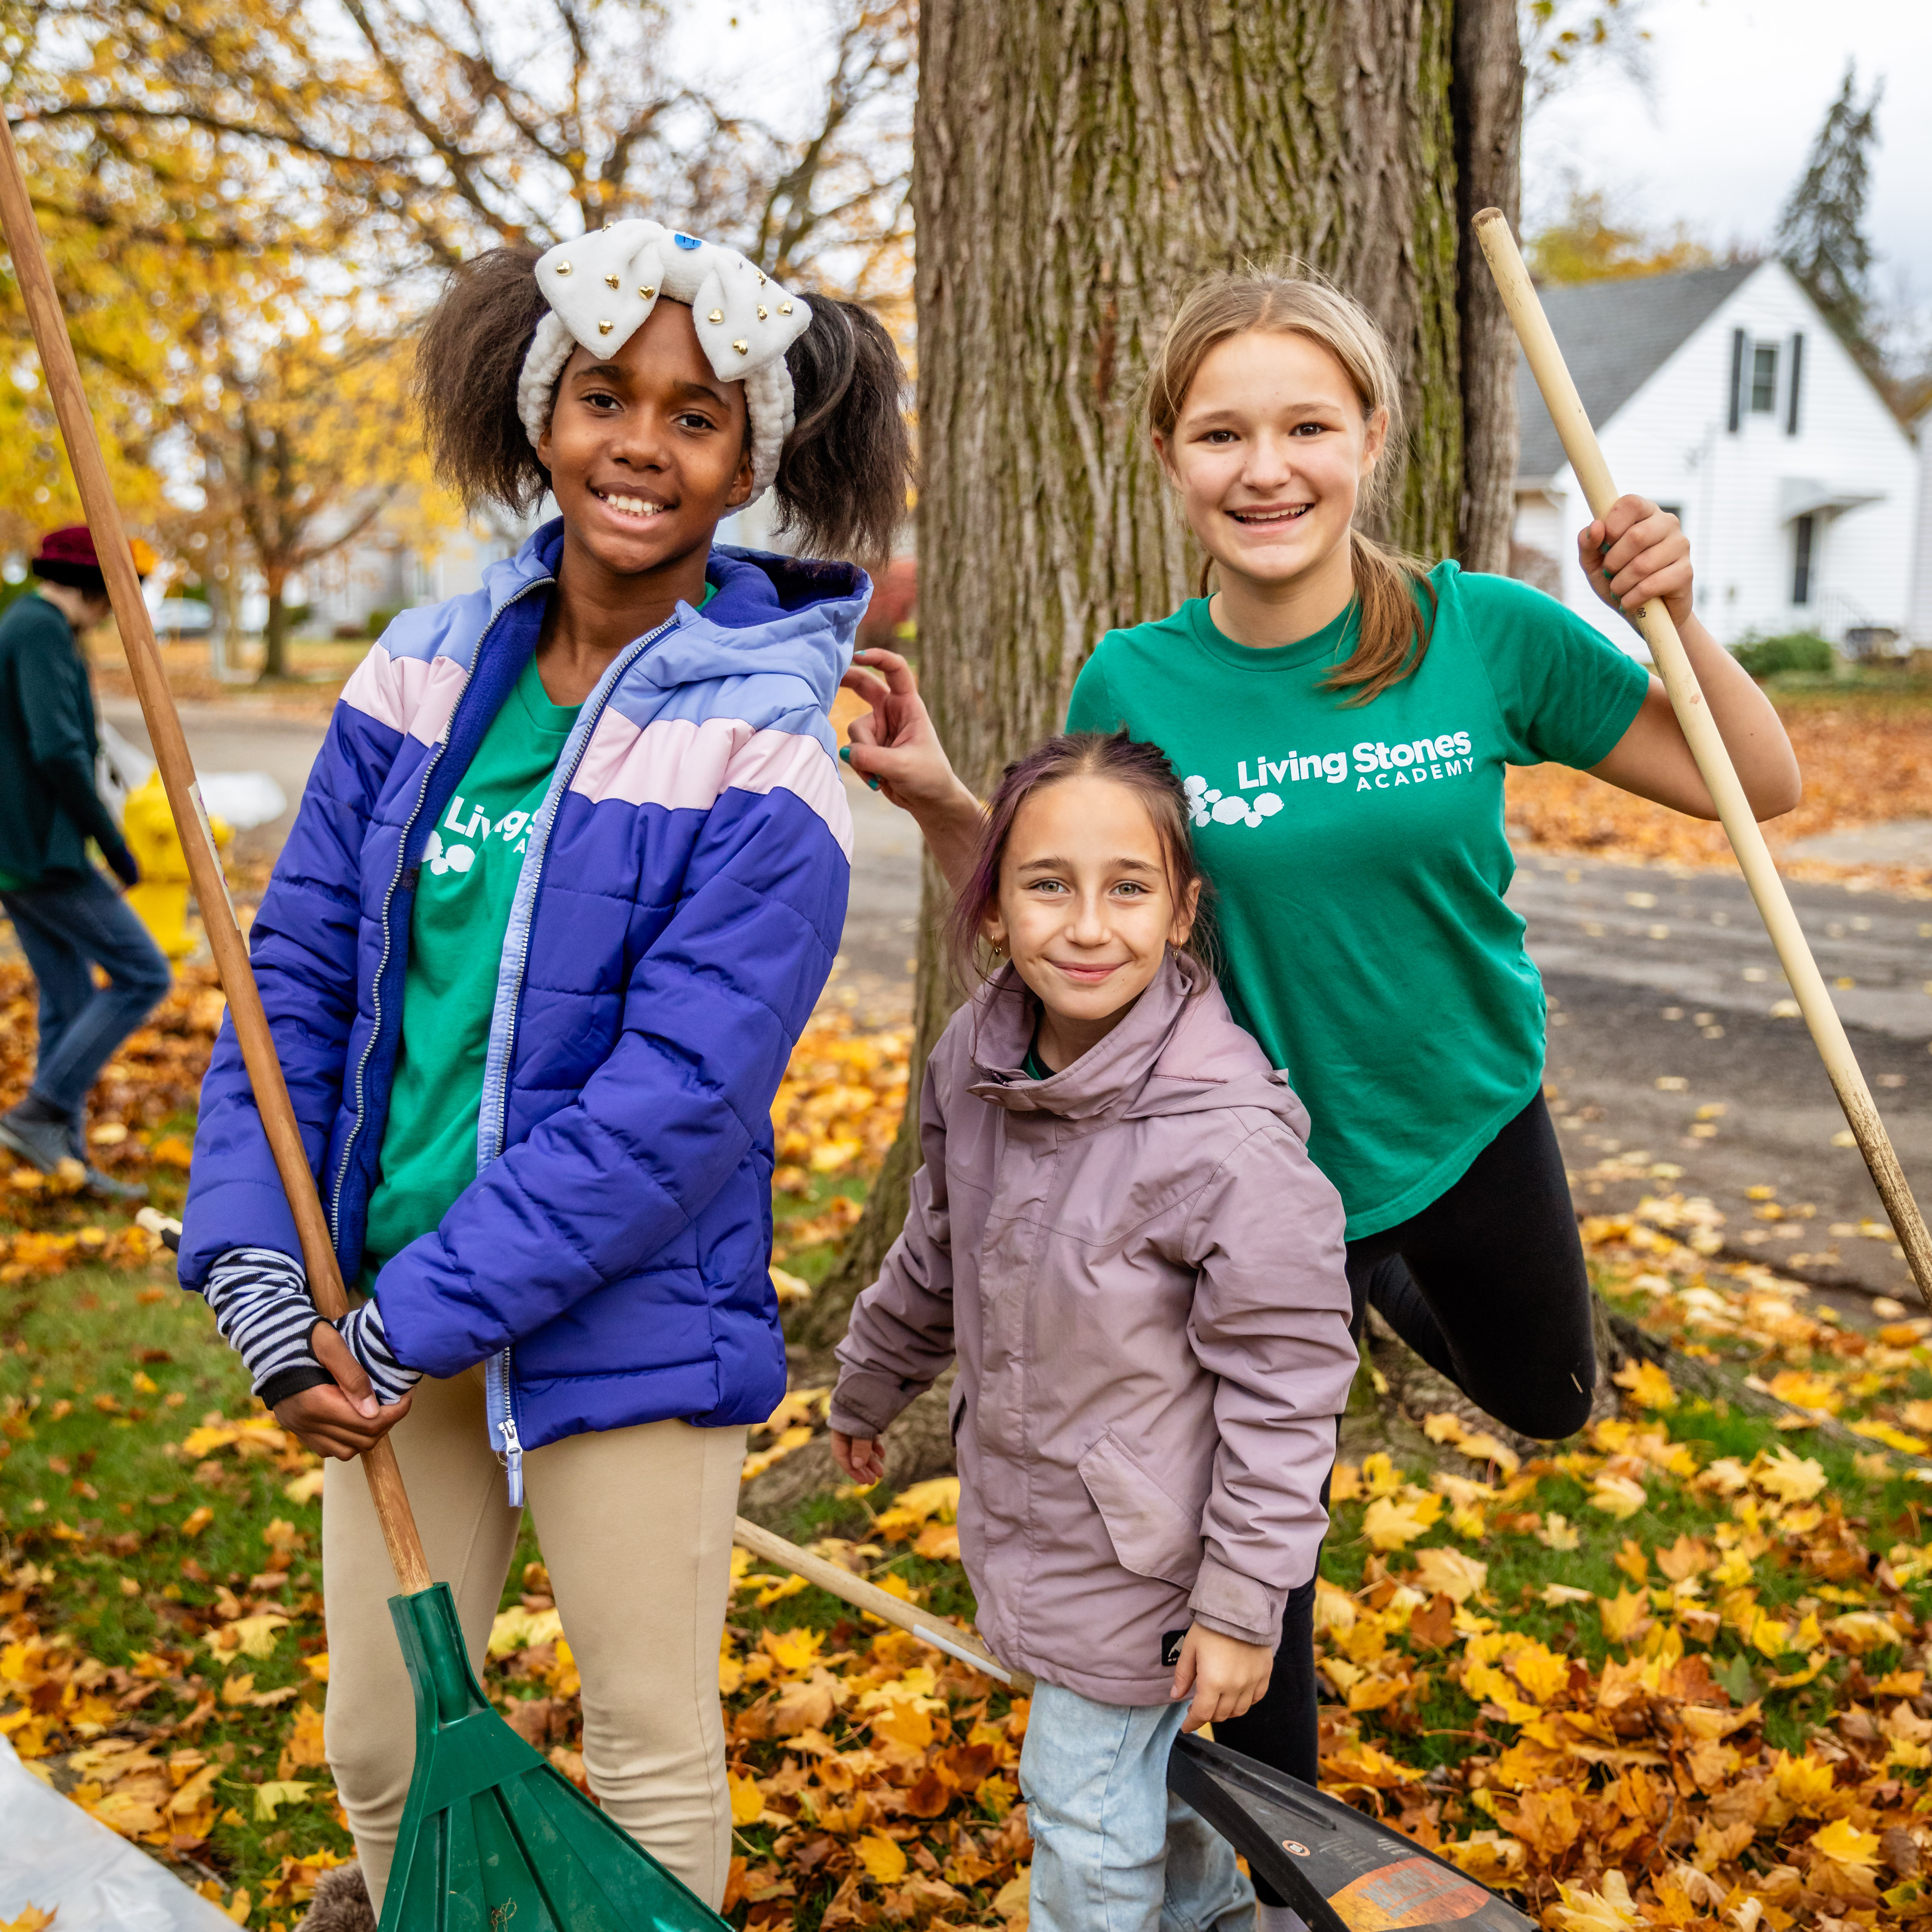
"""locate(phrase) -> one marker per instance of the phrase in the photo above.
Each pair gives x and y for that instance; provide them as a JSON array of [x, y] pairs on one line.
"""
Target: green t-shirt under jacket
[[1358, 862], [464, 893], [464, 896]]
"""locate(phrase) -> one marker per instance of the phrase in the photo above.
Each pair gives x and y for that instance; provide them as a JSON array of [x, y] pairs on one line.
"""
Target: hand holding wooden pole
[[177, 770], [1713, 760]]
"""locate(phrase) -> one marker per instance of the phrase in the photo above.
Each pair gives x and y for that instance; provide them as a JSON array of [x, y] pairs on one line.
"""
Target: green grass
[[105, 1501]]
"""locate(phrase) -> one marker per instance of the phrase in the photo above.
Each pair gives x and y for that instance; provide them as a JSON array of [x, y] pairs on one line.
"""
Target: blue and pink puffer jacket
[[676, 917]]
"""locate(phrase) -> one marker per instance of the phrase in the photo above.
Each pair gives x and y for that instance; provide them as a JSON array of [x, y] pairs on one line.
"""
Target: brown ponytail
[[1392, 588]]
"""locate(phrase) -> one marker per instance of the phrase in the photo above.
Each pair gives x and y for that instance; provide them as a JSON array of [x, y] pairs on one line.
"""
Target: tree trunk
[[1486, 99], [1076, 169], [275, 634]]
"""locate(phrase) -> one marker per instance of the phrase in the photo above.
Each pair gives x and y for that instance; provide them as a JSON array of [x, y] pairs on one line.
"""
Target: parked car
[[184, 617]]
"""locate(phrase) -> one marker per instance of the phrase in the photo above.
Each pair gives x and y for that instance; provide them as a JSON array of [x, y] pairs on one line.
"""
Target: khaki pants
[[636, 1530]]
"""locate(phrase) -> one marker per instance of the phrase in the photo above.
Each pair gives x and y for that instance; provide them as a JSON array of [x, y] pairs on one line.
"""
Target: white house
[[1724, 394], [1919, 618], [383, 570]]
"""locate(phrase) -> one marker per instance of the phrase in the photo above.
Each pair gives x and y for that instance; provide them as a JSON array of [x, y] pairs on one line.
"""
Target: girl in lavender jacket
[[1119, 1231]]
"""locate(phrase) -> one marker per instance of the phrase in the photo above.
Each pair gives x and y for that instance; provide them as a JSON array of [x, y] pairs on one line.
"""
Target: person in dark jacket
[[67, 917]]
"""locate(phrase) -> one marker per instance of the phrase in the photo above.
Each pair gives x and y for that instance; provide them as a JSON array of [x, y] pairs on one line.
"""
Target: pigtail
[[847, 465], [468, 362]]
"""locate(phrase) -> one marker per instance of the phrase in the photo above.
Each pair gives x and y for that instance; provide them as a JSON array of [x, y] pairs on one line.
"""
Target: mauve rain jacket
[[675, 919], [1141, 1273]]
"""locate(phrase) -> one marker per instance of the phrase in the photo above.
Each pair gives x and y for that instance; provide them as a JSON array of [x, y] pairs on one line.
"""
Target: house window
[[1764, 379], [1803, 532]]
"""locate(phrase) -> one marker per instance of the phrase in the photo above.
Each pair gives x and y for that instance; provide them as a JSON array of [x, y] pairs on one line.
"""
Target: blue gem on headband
[[687, 241]]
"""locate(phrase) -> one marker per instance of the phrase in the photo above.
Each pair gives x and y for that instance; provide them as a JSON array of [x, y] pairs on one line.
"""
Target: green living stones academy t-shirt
[[1358, 862]]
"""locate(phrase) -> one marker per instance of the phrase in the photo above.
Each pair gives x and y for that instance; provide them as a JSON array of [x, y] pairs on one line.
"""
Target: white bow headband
[[601, 289]]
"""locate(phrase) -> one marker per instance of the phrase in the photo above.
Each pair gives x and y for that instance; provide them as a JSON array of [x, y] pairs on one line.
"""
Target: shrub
[[379, 620], [1794, 650]]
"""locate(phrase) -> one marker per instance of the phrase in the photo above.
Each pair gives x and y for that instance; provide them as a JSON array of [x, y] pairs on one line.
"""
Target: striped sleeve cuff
[[262, 1309], [361, 1328]]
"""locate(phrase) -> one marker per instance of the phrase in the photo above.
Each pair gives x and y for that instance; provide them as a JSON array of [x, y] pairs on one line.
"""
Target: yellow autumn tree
[[1590, 242], [301, 437]]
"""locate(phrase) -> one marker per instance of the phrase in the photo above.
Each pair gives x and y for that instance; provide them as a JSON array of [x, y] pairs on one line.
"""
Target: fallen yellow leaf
[[271, 1796], [1646, 1384], [1457, 1576], [1843, 1843], [884, 1861], [1391, 1523]]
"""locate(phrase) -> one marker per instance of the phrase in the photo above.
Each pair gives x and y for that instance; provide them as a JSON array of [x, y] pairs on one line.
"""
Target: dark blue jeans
[[66, 930]]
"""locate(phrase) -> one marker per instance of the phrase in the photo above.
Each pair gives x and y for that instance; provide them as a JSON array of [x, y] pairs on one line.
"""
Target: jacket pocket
[[1152, 1535], [959, 1413]]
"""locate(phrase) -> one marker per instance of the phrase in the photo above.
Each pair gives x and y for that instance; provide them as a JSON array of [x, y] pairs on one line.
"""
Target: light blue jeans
[[1113, 1851]]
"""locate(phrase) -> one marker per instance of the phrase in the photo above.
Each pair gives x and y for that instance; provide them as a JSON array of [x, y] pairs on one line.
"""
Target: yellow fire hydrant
[[160, 900]]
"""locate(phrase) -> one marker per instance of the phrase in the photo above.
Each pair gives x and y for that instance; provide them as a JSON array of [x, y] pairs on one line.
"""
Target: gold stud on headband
[[742, 348], [717, 315], [610, 281], [563, 268], [604, 328]]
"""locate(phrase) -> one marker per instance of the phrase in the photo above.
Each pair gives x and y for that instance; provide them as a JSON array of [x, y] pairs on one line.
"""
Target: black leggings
[[1487, 1284]]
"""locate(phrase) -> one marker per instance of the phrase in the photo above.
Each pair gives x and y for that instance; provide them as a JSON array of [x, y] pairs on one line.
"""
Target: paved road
[[1656, 975], [1669, 1038]]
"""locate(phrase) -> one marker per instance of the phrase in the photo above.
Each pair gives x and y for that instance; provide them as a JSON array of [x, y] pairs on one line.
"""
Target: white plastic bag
[[54, 1855]]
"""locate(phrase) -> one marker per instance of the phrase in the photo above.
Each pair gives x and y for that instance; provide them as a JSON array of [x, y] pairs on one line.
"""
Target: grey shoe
[[42, 1145], [104, 1185], [109, 1189]]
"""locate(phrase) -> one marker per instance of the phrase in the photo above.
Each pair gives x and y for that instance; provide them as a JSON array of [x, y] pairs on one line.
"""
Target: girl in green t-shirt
[[1344, 716]]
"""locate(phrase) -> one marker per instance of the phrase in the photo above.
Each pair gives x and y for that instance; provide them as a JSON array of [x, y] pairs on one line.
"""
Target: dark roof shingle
[[1614, 336]]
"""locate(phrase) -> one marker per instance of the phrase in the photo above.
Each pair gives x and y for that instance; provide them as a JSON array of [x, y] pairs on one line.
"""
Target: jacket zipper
[[388, 936], [498, 1392]]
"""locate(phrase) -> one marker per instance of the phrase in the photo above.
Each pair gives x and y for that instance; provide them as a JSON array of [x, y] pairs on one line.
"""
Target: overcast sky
[[1738, 89]]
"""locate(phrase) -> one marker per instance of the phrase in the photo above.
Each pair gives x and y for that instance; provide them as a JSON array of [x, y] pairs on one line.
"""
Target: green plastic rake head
[[494, 1838]]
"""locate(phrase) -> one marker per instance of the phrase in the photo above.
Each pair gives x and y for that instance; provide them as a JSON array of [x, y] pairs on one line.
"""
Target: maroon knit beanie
[[66, 556]]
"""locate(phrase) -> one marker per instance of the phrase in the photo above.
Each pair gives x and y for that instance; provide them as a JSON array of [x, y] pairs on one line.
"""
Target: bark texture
[[1487, 101], [1076, 170]]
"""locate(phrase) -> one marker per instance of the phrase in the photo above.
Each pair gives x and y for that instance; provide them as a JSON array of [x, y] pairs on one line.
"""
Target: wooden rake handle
[[1714, 760], [171, 753], [939, 1632]]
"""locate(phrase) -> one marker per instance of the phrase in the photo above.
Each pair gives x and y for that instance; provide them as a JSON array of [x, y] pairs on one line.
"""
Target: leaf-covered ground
[[1866, 753], [1671, 1672]]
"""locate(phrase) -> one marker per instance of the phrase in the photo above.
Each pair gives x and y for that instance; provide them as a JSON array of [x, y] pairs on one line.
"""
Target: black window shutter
[[1737, 378], [1797, 377]]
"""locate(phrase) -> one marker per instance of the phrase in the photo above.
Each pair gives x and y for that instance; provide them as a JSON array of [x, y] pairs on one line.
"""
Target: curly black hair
[[843, 473]]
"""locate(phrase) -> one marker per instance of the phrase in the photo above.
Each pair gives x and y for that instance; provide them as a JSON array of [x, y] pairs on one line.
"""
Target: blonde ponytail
[[1396, 602]]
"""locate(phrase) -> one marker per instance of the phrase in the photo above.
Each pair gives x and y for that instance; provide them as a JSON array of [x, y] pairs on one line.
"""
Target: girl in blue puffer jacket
[[568, 875]]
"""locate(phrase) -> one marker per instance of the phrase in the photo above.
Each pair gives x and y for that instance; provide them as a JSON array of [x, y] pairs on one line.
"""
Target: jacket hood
[[1178, 1050], [772, 614]]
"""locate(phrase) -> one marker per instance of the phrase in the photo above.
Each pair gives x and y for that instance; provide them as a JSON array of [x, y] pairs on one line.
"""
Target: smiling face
[[1085, 907], [1269, 452], [646, 448]]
